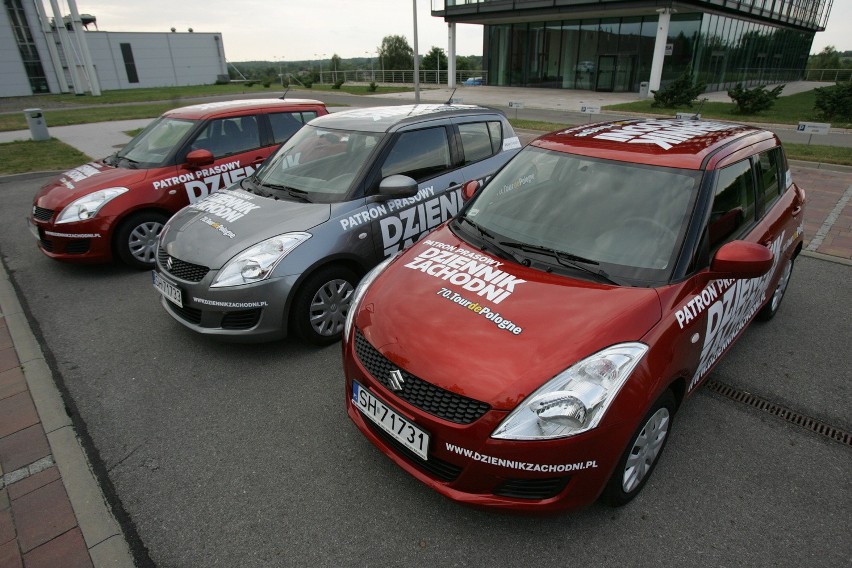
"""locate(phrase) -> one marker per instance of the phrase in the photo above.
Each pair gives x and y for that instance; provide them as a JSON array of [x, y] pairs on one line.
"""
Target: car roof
[[383, 119], [655, 141], [207, 110]]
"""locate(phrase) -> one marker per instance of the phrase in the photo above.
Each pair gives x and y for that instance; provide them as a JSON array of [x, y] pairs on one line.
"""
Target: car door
[[236, 147], [430, 157]]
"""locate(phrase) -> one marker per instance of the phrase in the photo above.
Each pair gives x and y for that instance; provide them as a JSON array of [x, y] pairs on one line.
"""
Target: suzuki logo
[[169, 263], [396, 380]]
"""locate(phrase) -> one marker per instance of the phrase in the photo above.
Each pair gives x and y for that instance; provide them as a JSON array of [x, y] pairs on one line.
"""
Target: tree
[[828, 58], [682, 91], [336, 64], [435, 59], [395, 53]]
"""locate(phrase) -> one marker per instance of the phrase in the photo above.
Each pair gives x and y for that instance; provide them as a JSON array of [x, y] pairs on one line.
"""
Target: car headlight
[[360, 290], [576, 399], [257, 262], [88, 206]]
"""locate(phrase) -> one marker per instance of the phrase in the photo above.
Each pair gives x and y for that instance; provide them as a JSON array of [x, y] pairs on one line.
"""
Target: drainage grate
[[791, 416]]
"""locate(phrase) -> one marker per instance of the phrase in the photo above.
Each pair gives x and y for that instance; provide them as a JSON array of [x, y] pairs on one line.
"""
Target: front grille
[[241, 320], [46, 244], [532, 488], [435, 467], [180, 268], [80, 246], [425, 396], [191, 315], [42, 214]]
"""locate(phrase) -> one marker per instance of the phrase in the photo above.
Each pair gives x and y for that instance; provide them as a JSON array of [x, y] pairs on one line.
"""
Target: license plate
[[389, 420], [167, 289], [33, 229]]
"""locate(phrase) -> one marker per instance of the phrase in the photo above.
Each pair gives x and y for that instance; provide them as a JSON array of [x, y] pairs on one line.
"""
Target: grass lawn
[[107, 113], [31, 156]]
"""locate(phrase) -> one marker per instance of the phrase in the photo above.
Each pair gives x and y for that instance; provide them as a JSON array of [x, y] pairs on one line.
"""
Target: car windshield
[[617, 219], [318, 164], [151, 147]]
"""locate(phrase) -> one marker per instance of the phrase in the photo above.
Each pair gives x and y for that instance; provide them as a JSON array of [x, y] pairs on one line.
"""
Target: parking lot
[[227, 455]]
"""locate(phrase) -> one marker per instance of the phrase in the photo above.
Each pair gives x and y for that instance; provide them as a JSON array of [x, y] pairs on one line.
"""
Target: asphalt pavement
[[211, 454]]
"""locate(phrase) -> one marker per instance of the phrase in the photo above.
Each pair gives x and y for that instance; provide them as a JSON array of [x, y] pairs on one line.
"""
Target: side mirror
[[199, 158], [739, 259], [398, 186], [469, 189]]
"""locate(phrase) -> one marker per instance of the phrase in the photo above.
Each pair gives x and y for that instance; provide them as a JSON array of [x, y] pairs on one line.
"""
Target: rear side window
[[733, 204], [285, 124], [769, 164], [420, 154], [480, 140]]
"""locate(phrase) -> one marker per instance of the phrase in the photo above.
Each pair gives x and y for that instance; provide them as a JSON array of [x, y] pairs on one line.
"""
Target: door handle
[[796, 211]]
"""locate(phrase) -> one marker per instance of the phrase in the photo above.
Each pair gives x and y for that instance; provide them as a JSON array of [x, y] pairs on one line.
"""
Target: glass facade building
[[609, 45]]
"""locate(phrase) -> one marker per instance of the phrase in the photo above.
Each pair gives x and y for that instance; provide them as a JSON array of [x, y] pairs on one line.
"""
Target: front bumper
[[84, 241], [254, 312], [467, 465]]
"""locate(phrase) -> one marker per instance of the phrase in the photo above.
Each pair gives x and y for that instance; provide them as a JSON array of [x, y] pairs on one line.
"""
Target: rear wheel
[[136, 238], [768, 311], [641, 456], [322, 303]]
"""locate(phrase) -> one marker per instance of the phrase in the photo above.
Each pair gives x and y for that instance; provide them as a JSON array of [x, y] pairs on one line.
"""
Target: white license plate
[[33, 229], [389, 420], [167, 289]]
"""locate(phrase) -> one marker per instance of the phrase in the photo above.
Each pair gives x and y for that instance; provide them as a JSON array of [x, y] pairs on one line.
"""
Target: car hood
[[213, 230], [496, 351], [83, 180]]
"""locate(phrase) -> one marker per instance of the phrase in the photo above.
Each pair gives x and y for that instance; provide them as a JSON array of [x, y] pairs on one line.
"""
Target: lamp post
[[372, 69], [416, 63], [320, 74]]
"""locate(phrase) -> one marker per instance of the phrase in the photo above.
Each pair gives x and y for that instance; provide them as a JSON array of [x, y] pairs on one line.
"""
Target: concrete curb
[[102, 533]]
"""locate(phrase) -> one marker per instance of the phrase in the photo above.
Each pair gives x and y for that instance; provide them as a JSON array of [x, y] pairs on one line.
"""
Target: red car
[[116, 207], [531, 353]]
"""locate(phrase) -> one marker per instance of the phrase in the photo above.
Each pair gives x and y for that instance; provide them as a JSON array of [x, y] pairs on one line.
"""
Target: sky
[[296, 30]]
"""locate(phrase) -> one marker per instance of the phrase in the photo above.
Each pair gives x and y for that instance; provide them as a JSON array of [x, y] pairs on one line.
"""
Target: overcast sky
[[306, 29]]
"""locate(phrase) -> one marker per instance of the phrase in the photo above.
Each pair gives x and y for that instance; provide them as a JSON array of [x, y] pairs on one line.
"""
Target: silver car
[[280, 252]]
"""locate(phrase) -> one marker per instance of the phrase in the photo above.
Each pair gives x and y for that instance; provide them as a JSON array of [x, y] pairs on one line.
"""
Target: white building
[[35, 55]]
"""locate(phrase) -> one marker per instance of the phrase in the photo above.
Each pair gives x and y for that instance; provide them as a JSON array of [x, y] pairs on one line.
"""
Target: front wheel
[[136, 238], [768, 311], [641, 456], [322, 303]]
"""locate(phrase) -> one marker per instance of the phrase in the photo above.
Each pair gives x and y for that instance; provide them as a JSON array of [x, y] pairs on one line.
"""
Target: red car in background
[[531, 353], [116, 207]]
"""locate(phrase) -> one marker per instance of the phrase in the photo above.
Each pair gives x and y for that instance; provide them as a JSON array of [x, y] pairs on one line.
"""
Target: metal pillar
[[660, 49], [451, 55], [67, 48], [80, 35], [416, 57], [51, 48]]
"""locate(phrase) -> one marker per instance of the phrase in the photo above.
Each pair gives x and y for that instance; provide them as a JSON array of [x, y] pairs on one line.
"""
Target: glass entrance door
[[606, 73]]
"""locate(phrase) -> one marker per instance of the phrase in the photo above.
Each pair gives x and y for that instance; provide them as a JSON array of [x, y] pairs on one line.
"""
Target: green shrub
[[681, 91], [835, 102], [337, 84], [249, 83], [752, 101], [308, 82], [372, 87], [266, 83]]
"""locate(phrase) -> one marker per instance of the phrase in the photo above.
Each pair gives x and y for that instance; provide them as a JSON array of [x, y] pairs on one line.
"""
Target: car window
[[285, 124], [224, 136], [733, 204], [479, 140], [769, 164], [420, 154], [151, 146]]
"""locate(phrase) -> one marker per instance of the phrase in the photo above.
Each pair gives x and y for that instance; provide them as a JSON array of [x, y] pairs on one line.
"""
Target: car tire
[[768, 311], [641, 456], [136, 238], [320, 307]]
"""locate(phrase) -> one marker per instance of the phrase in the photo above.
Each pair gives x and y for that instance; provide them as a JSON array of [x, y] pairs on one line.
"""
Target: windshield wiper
[[132, 164], [493, 243], [565, 259], [297, 194]]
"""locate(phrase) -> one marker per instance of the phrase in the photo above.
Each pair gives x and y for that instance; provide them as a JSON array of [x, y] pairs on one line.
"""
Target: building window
[[27, 47], [129, 63]]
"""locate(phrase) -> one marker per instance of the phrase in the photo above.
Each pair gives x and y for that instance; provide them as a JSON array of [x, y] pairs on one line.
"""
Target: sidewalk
[[52, 511]]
